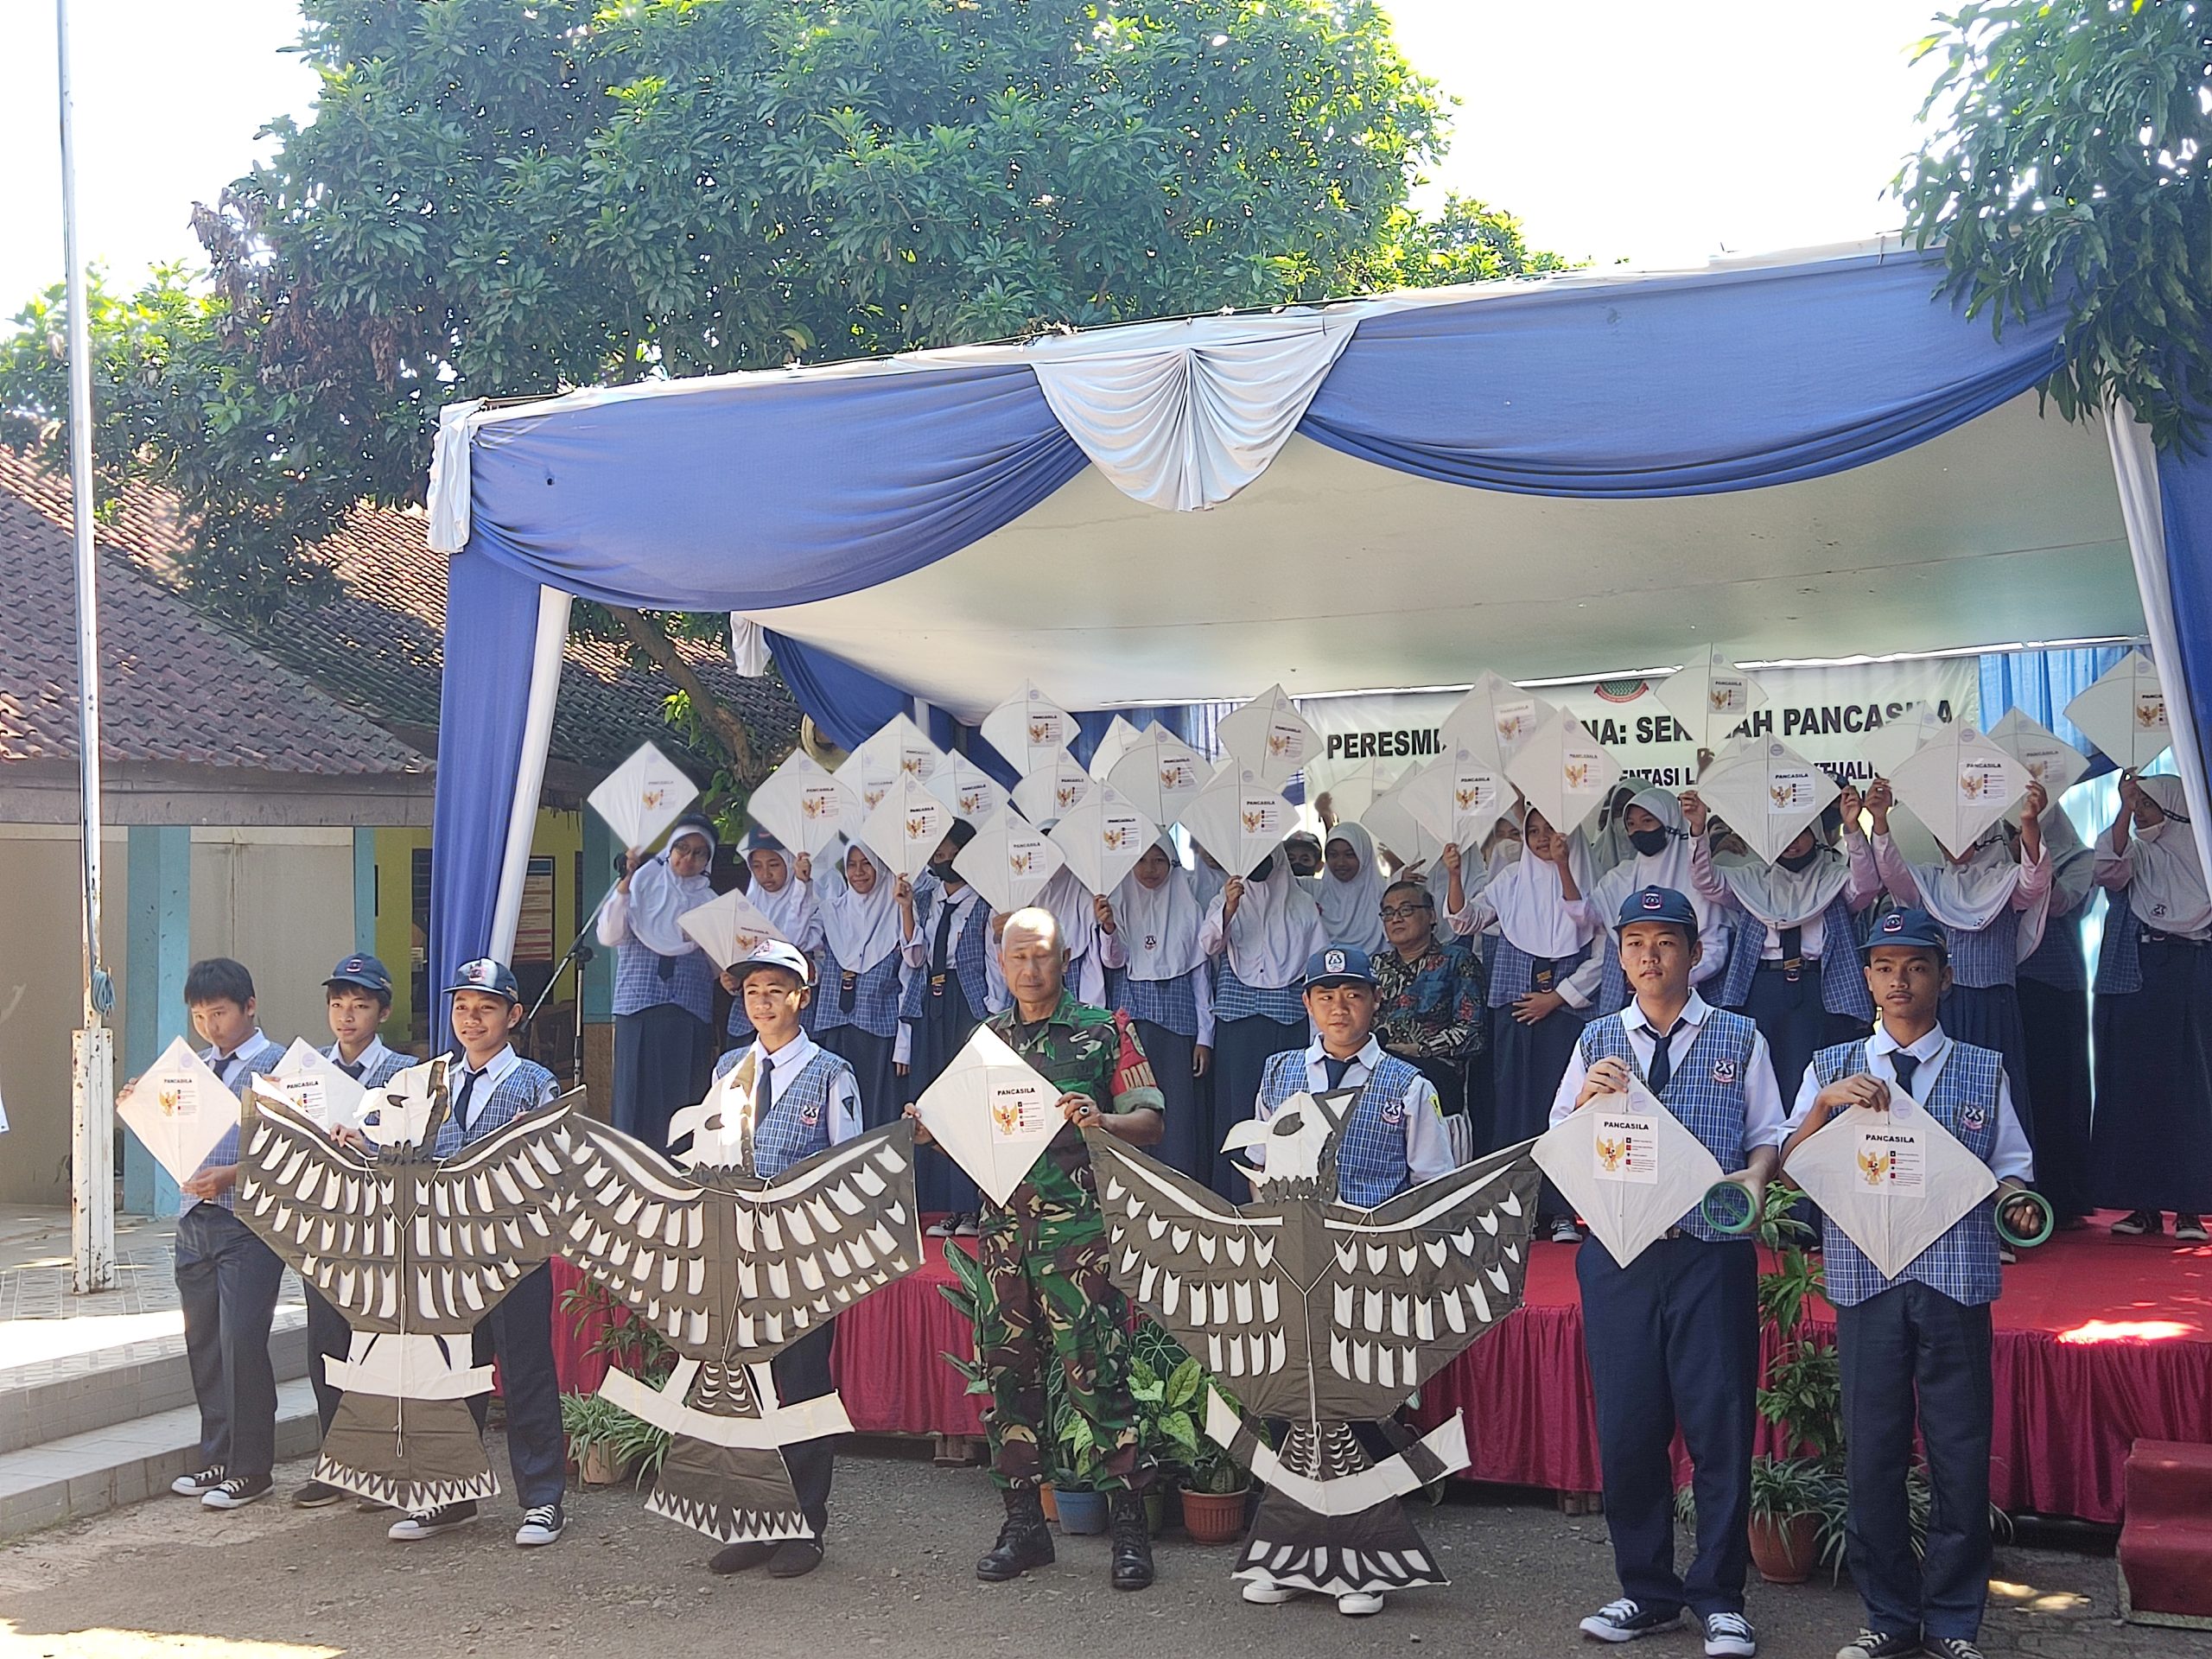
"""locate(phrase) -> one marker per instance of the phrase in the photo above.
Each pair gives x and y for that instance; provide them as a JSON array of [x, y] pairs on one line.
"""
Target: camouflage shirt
[[1085, 1050]]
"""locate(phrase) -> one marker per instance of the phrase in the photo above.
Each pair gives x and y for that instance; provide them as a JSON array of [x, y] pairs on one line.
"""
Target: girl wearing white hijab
[[1536, 1014], [1264, 927], [1796, 973], [664, 984], [2053, 990], [1156, 973], [786, 899], [1351, 888], [1990, 904], [2151, 1147], [1659, 855], [867, 920], [1075, 909]]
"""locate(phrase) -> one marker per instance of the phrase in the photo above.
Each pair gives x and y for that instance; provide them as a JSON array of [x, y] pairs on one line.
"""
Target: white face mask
[[2151, 832]]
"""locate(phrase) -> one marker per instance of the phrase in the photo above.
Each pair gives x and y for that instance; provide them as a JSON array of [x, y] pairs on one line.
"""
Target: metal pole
[[91, 1093]]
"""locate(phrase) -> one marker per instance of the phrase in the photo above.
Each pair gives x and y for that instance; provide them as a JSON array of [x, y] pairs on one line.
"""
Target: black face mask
[[942, 868], [1261, 871], [1800, 862], [1649, 841]]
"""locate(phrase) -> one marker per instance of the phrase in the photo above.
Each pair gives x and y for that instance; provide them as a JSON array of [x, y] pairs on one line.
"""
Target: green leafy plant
[[625, 1342], [593, 1423]]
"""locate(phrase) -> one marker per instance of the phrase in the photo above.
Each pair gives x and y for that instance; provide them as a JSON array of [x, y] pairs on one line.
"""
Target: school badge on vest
[[1724, 1072]]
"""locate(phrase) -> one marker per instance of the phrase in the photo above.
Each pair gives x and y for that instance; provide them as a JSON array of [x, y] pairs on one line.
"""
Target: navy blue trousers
[[1912, 1346], [1674, 1338], [227, 1285], [519, 1332], [329, 1336]]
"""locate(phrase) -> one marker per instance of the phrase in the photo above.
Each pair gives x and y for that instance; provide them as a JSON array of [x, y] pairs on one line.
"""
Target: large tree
[[2067, 164], [497, 197]]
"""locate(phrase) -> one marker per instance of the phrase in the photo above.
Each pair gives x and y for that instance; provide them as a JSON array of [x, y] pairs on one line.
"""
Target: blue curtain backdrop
[[775, 490]]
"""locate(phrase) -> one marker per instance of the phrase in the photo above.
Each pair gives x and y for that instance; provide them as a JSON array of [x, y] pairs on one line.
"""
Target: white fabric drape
[[529, 769], [2135, 469], [748, 645], [1184, 415]]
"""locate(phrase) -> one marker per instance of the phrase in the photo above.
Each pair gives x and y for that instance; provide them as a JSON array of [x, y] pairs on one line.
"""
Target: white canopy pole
[[530, 765], [92, 1103]]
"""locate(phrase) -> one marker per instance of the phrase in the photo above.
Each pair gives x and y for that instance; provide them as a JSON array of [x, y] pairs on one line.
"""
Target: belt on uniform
[[1790, 968], [2151, 935]]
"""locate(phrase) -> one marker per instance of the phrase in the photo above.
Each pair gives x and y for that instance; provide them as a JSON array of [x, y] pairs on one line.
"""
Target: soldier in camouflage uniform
[[1044, 1255]]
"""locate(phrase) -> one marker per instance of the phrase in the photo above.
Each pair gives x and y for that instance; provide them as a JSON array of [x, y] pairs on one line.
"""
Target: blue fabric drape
[[1678, 385], [2040, 683], [490, 635], [2185, 505]]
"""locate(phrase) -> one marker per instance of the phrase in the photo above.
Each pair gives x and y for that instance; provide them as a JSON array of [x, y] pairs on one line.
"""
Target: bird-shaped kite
[[1324, 1315], [731, 1269], [414, 1249]]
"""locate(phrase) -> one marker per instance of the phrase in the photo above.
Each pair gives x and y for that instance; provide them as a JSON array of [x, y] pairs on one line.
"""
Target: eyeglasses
[[1404, 913]]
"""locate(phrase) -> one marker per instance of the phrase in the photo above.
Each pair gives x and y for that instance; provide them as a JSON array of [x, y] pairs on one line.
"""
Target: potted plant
[[1790, 1498], [1074, 1461], [597, 1438], [1168, 1390], [1215, 1488]]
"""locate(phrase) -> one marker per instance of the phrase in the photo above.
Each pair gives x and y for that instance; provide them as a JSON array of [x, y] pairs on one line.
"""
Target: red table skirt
[[2072, 1395]]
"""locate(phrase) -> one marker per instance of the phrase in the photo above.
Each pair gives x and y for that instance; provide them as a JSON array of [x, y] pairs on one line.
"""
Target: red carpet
[[2099, 1341]]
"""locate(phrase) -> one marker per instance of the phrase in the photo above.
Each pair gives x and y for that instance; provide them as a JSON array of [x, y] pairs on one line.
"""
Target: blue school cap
[[1339, 964], [486, 973], [1914, 928], [1658, 905], [366, 972]]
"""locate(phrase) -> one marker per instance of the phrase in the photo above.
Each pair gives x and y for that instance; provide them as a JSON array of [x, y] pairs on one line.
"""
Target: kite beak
[[1251, 1132]]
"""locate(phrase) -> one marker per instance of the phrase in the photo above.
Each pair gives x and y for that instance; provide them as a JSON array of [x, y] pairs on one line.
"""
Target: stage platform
[[2101, 1341]]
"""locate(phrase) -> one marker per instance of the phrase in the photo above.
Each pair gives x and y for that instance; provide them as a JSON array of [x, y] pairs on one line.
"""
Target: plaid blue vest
[[1740, 942], [1705, 1093], [1513, 972], [967, 947], [525, 1089], [1843, 982], [1987, 955], [1372, 1162], [875, 997], [1234, 1000], [645, 979], [1962, 1264], [1171, 1004], [2119, 959], [262, 1060], [797, 1126]]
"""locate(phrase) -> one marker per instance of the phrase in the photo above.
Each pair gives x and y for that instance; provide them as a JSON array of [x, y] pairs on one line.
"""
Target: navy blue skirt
[[663, 1059], [1796, 1023], [2056, 1025], [1988, 1016], [947, 1022], [2150, 1144], [882, 1090], [1527, 1063], [1184, 1124], [1241, 1049]]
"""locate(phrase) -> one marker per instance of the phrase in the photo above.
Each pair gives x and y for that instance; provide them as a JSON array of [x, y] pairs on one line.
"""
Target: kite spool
[[1728, 1208], [2043, 1230]]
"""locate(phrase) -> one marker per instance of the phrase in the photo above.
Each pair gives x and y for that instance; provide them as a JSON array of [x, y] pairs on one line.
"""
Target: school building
[[267, 796]]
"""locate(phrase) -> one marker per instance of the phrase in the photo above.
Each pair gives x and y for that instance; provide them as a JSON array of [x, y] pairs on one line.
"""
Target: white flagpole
[[92, 1095]]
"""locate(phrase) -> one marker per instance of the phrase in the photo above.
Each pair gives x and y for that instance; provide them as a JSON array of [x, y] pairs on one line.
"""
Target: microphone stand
[[581, 952]]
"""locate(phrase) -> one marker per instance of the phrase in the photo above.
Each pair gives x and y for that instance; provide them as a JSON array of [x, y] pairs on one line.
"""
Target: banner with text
[[1823, 713]]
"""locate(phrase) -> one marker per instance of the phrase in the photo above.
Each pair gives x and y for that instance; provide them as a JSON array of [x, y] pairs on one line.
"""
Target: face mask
[[2151, 832], [1262, 869], [941, 868], [1801, 861], [1649, 841]]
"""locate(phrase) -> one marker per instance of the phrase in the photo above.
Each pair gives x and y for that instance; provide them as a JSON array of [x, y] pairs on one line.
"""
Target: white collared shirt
[[1428, 1147], [787, 1062], [229, 1069], [488, 1079], [1763, 1118], [2011, 1157], [368, 1060]]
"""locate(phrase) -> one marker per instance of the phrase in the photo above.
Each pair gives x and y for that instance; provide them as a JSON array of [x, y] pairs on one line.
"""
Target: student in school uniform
[[1157, 975], [806, 1100], [358, 997], [867, 921], [1798, 977], [2053, 987], [1351, 895], [2151, 1144], [226, 1278], [1673, 1338], [776, 891], [489, 1086], [1983, 900], [1661, 850], [664, 983], [948, 994], [1915, 1350], [1536, 1012], [1076, 908], [1262, 929]]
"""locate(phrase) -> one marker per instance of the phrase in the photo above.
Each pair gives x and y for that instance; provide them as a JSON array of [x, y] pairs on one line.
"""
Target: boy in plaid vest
[[1673, 1337], [1917, 1347]]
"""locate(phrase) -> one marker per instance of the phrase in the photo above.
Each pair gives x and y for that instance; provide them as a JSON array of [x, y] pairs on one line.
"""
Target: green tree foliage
[[2067, 165]]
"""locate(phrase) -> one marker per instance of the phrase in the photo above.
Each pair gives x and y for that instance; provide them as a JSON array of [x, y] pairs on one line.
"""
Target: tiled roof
[[174, 687], [376, 644]]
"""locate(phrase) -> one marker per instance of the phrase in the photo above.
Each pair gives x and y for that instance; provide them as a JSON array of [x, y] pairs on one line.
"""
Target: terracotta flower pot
[[1049, 1499], [1785, 1548], [600, 1465], [1214, 1517]]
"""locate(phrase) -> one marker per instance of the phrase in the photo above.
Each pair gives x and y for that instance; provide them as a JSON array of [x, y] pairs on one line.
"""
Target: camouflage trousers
[[1054, 1304]]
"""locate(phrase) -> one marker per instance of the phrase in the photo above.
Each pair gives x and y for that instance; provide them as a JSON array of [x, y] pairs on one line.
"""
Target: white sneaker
[[541, 1525], [1266, 1592], [236, 1493], [971, 1225], [942, 1229], [199, 1483], [1564, 1231], [429, 1524], [1359, 1604], [1730, 1635]]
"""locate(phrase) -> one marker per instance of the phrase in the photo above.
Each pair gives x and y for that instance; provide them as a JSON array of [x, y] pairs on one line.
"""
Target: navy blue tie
[[1336, 1068], [1905, 1066], [1663, 1058]]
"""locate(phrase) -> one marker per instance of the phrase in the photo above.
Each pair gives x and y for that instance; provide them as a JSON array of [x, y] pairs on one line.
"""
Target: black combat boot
[[1024, 1541], [1132, 1567]]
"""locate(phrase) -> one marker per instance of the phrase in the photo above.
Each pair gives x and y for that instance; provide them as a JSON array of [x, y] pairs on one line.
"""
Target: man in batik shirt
[[1429, 1003]]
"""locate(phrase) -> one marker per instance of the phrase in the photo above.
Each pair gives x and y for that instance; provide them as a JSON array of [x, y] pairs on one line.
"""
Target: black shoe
[[1626, 1619], [418, 1524], [237, 1492], [1024, 1541], [317, 1495], [796, 1558], [1949, 1647], [1132, 1568], [1878, 1644], [199, 1483], [2139, 1222], [739, 1557]]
